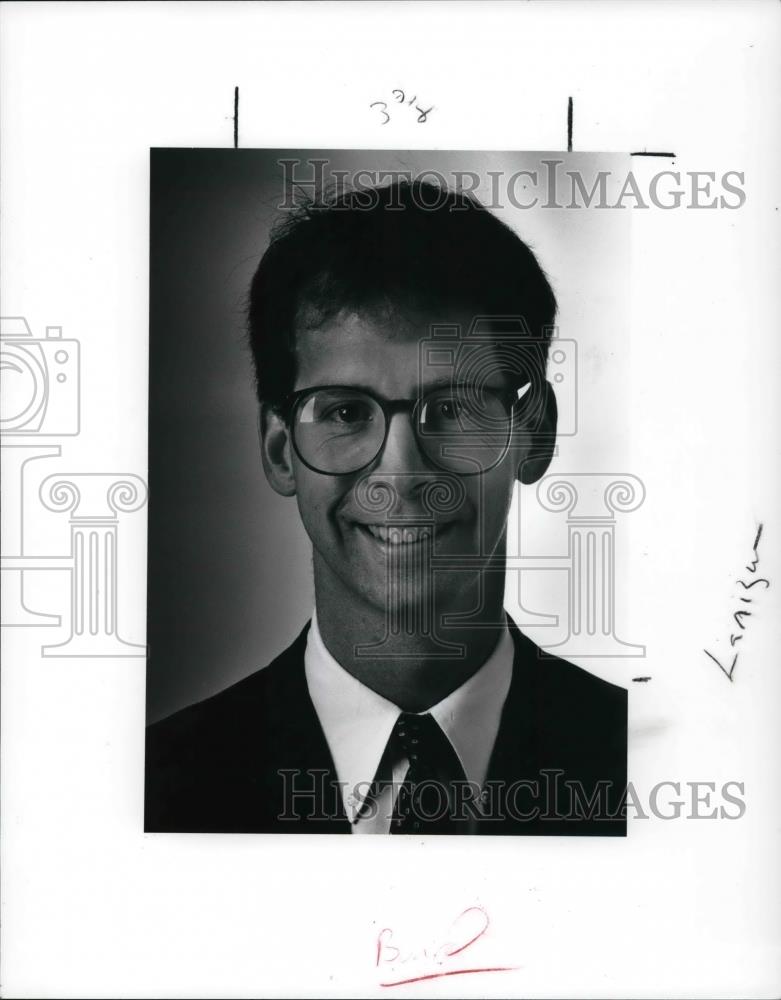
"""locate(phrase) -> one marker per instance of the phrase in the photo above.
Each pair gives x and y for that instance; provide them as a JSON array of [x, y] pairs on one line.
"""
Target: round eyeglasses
[[338, 430]]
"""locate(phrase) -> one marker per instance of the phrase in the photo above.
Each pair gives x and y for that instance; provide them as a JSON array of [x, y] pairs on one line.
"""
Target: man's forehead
[[386, 348], [396, 323], [400, 327], [400, 354]]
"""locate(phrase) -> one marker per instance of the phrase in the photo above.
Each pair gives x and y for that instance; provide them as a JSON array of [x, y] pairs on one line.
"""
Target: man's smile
[[384, 538], [403, 534]]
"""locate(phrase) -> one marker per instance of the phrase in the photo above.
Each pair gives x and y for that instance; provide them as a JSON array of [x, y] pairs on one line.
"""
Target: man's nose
[[401, 462], [400, 484], [401, 453]]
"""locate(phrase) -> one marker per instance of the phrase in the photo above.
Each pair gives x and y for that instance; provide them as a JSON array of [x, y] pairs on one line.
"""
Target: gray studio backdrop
[[229, 578]]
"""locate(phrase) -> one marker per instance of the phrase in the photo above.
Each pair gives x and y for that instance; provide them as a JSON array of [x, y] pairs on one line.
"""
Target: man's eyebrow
[[431, 385], [454, 383], [440, 382]]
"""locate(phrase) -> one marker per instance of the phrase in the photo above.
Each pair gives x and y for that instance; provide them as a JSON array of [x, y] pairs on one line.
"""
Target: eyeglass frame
[[286, 409]]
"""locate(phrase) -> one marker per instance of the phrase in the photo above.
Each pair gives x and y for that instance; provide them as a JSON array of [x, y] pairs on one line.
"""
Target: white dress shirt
[[357, 723]]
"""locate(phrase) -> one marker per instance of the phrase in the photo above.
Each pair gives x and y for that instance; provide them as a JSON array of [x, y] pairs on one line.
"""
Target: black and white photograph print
[[389, 430], [382, 384]]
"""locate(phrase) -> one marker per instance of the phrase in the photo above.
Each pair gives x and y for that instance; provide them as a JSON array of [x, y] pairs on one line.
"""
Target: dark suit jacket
[[254, 759]]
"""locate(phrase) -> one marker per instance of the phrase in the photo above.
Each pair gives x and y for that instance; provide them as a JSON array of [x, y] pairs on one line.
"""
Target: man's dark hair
[[382, 250]]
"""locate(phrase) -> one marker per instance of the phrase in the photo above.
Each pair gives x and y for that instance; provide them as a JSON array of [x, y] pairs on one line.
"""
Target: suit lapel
[[516, 744], [296, 747]]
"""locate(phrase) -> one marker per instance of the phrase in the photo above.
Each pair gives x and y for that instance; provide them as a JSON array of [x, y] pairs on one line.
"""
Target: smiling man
[[400, 340]]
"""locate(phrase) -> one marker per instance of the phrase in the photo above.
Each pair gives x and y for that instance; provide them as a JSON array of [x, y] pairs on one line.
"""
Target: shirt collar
[[357, 722]]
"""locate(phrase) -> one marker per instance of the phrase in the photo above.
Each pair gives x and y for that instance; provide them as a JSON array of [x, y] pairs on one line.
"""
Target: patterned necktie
[[426, 798]]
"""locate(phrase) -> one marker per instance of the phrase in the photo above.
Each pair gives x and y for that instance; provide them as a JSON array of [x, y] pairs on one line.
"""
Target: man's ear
[[276, 451], [534, 464]]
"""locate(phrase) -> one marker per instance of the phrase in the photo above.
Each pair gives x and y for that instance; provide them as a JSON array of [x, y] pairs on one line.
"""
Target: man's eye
[[348, 413], [451, 409]]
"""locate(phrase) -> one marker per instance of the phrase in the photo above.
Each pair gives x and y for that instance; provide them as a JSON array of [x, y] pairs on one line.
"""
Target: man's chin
[[412, 598], [410, 592]]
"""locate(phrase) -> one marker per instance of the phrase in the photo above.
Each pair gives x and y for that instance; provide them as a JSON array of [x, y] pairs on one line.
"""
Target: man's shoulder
[[213, 766], [565, 730], [573, 708], [279, 683], [584, 715], [556, 681]]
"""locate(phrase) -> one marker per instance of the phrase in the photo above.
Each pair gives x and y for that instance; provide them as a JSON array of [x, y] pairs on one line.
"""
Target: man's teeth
[[398, 536]]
